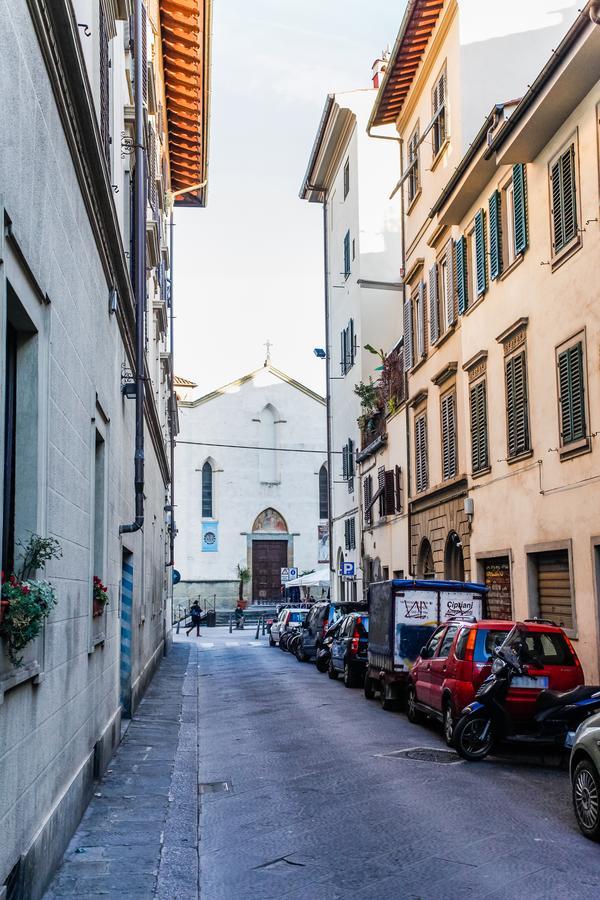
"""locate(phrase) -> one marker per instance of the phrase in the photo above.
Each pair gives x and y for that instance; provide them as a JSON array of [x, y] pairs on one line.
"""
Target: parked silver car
[[287, 621], [585, 777]]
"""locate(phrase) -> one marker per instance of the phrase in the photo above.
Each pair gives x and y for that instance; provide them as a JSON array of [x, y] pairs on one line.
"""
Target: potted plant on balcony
[[26, 601], [100, 597]]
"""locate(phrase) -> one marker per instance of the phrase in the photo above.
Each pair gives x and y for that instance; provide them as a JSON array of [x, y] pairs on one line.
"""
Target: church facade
[[250, 487]]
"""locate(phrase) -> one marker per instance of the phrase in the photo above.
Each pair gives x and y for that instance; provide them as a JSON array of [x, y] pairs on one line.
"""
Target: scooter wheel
[[468, 737]]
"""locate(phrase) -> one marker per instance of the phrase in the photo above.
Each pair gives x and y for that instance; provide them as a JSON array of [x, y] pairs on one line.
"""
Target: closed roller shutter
[[554, 588]]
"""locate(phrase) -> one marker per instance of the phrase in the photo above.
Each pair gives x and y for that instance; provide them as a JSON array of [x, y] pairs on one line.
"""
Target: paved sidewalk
[[139, 836]]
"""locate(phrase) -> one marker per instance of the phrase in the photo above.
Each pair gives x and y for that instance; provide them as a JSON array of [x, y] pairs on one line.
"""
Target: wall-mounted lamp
[[469, 509], [113, 299]]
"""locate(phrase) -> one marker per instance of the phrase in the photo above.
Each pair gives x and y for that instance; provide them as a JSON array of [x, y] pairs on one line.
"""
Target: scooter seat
[[548, 699]]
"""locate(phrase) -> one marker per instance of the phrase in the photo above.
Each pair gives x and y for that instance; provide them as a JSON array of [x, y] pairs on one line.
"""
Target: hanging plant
[[26, 602], [100, 596]]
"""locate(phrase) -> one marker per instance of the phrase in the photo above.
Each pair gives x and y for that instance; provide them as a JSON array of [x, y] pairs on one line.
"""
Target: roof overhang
[[329, 142], [186, 45], [569, 75], [417, 25]]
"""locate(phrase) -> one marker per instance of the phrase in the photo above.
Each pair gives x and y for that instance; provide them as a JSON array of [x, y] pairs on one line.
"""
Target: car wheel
[[586, 799], [349, 676], [412, 713], [448, 724], [300, 654], [322, 664], [333, 673], [283, 643], [368, 688]]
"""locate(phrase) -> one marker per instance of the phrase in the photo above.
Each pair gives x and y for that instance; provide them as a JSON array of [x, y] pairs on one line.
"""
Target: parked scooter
[[486, 720]]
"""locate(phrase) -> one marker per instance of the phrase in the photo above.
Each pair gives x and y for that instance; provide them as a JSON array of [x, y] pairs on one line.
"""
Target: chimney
[[379, 67]]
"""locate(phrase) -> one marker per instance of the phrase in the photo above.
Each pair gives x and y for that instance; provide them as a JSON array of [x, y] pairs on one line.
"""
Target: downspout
[[328, 397], [139, 272]]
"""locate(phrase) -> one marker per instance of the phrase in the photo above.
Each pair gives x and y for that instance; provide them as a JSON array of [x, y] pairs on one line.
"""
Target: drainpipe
[[139, 273], [328, 396]]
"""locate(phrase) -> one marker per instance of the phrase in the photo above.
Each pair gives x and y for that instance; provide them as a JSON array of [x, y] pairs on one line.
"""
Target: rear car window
[[487, 639], [361, 624], [549, 648], [297, 617]]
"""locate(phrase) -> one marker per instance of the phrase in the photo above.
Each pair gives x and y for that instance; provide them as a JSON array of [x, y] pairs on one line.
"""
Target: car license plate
[[527, 681]]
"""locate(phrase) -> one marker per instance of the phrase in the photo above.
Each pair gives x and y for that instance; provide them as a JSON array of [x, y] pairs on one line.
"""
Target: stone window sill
[[577, 448], [30, 672], [439, 154], [514, 264], [481, 472], [516, 459], [566, 253]]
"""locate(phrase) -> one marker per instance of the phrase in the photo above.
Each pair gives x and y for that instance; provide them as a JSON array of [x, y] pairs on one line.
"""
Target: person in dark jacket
[[196, 614]]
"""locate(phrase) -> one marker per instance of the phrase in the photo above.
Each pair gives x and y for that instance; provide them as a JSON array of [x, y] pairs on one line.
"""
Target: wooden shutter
[[494, 207], [572, 399], [367, 498], [104, 85], [381, 489], [347, 254], [408, 335], [389, 493], [450, 310], [479, 437], [434, 307], [345, 462], [351, 342], [351, 534], [554, 587], [350, 457], [461, 274], [480, 260], [520, 208], [398, 479], [421, 324], [448, 436], [564, 203], [144, 53], [343, 351], [517, 415], [422, 475]]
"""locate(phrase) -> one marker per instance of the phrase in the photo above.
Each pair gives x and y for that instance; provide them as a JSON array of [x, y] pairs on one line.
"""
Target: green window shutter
[[450, 267], [343, 351], [448, 437], [520, 208], [517, 406], [434, 308], [347, 254], [461, 274], [495, 236], [351, 347], [480, 261], [572, 399], [421, 462], [564, 200], [421, 326], [367, 496], [479, 437], [345, 462]]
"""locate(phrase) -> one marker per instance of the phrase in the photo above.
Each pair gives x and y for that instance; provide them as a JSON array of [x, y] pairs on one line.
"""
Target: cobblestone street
[[301, 795]]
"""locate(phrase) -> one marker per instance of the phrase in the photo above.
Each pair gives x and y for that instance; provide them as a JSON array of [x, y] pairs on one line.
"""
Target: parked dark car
[[313, 631], [349, 649]]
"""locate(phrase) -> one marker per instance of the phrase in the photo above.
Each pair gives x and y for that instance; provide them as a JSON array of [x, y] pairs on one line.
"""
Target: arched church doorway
[[454, 563], [270, 555]]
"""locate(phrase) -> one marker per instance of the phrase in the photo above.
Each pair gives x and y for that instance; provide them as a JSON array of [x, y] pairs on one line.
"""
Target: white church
[[250, 486]]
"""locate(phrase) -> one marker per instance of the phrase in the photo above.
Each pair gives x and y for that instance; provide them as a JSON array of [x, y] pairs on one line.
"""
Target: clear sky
[[249, 267]]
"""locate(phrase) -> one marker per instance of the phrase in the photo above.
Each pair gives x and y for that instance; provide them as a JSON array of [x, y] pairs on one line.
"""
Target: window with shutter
[[479, 427], [351, 343], [495, 218], [345, 462], [413, 177], [434, 308], [398, 480], [323, 493], [346, 178], [438, 102], [144, 53], [350, 452], [408, 335], [389, 493], [480, 258], [461, 274], [517, 412], [564, 201], [449, 287], [207, 491], [421, 322], [449, 455], [104, 85], [367, 498], [571, 394], [381, 489], [343, 351], [347, 254], [555, 599], [520, 208], [421, 461]]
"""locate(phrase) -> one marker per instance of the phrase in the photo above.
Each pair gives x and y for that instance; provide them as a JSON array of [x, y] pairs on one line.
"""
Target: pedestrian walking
[[196, 614]]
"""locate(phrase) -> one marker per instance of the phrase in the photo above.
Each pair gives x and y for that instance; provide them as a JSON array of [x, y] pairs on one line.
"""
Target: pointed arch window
[[323, 493], [207, 491]]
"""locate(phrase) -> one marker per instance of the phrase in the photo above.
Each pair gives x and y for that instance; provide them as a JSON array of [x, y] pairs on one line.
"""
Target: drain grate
[[214, 787], [425, 754]]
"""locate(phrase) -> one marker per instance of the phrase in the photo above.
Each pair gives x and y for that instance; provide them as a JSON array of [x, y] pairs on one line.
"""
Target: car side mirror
[[424, 653]]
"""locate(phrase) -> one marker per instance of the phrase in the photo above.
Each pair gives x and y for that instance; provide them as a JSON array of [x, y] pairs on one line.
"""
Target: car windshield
[[487, 639], [544, 648]]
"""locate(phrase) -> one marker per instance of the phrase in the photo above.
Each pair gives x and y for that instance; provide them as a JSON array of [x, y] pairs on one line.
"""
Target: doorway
[[454, 563], [126, 616], [269, 557]]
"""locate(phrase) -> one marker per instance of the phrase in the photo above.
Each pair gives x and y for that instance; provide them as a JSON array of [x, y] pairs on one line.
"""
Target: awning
[[320, 578], [419, 21], [185, 32]]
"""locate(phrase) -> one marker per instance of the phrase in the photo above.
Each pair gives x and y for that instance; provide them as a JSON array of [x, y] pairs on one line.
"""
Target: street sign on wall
[[347, 570], [287, 574]]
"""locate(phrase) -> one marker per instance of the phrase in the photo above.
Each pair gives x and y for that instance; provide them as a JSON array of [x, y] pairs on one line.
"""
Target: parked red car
[[458, 656]]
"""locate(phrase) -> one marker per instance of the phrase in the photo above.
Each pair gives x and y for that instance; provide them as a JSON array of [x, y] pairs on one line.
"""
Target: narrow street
[[301, 795]]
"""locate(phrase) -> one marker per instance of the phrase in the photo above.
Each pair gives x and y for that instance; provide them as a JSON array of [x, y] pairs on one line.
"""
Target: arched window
[[323, 493], [207, 491], [268, 462], [454, 563], [425, 565]]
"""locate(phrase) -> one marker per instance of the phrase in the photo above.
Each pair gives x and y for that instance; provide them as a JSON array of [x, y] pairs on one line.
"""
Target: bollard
[[257, 630], [230, 624], [264, 626]]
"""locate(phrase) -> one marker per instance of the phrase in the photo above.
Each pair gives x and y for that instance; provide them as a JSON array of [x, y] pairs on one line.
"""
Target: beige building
[[501, 333]]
